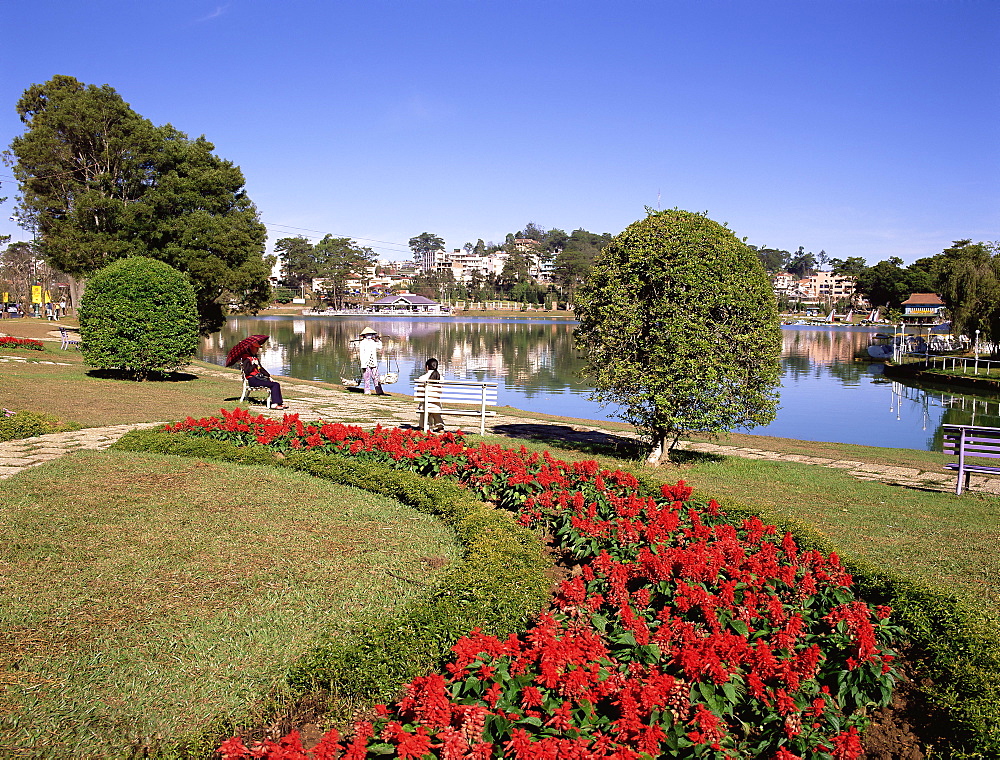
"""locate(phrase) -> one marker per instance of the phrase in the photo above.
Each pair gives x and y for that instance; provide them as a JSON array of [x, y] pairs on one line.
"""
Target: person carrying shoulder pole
[[368, 350]]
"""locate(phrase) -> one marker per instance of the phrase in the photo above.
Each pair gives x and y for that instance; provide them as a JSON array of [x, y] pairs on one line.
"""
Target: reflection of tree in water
[[939, 407]]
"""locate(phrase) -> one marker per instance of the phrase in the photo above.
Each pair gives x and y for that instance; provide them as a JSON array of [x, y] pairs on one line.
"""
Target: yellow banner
[[36, 293], [48, 297], [6, 297]]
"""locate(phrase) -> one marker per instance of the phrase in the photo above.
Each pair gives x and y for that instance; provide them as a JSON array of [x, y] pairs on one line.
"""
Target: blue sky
[[864, 128]]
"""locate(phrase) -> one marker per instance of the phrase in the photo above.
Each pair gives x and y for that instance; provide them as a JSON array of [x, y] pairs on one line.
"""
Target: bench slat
[[970, 442], [972, 467]]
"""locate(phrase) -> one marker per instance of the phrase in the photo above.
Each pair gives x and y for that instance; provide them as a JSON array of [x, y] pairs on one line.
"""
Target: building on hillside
[[923, 309], [821, 287]]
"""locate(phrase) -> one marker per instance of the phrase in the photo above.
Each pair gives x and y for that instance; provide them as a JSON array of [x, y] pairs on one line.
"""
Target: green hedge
[[501, 582], [956, 647]]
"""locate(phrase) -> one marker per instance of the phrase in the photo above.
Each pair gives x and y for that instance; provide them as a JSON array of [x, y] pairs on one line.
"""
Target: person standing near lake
[[368, 350]]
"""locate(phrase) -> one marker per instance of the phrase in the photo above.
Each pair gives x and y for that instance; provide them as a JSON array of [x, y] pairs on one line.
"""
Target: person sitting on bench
[[258, 377], [432, 397]]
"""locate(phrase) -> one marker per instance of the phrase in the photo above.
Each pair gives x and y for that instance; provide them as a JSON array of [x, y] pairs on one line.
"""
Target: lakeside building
[[406, 303], [923, 309]]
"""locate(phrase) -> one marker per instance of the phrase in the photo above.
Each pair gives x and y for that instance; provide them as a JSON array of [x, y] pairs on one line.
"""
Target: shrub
[[138, 315], [17, 425]]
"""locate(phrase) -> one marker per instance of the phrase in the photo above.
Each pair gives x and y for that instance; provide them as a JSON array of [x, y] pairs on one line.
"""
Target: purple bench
[[969, 441]]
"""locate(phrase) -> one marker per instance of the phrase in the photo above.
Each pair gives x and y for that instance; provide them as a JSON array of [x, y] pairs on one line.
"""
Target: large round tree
[[680, 328], [99, 183], [139, 316]]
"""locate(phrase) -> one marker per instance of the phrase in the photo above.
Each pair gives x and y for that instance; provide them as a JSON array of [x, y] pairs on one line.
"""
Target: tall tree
[[532, 231], [774, 260], [802, 264], [424, 247], [99, 183], [298, 261], [17, 270], [885, 284], [969, 277], [339, 259], [852, 266], [679, 325]]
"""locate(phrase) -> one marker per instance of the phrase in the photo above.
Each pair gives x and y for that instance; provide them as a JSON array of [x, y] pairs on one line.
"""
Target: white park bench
[[463, 397]]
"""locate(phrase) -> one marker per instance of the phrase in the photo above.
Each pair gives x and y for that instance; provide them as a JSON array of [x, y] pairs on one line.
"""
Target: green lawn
[[150, 596], [73, 392]]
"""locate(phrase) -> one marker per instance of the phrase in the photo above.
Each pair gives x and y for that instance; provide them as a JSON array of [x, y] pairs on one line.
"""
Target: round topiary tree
[[680, 328], [138, 315]]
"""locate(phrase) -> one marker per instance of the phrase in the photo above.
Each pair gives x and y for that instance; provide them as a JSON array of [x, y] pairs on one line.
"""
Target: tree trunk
[[76, 288], [659, 453], [663, 444]]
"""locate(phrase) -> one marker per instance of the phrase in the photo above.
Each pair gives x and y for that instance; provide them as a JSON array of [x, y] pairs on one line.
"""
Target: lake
[[826, 394]]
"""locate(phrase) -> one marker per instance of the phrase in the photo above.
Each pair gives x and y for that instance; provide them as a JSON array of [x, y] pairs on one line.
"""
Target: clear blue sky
[[861, 127]]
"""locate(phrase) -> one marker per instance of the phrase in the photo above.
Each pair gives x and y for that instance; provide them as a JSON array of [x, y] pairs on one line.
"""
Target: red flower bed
[[680, 636], [21, 343]]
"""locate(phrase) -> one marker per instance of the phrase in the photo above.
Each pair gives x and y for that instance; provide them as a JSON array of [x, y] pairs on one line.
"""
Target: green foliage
[[889, 284], [968, 275], [154, 441], [424, 245], [339, 259], [26, 424], [138, 315], [100, 183], [679, 324]]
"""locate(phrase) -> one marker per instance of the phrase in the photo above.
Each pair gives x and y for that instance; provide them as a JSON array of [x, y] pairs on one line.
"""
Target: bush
[[17, 425], [138, 315]]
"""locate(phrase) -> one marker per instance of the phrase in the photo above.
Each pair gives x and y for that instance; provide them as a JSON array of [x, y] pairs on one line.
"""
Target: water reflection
[[827, 394]]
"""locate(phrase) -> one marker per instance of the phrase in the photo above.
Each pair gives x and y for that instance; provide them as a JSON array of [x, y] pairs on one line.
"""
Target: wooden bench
[[965, 441], [464, 397]]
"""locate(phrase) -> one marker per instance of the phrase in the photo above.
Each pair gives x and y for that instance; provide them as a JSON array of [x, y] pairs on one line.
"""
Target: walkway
[[334, 405]]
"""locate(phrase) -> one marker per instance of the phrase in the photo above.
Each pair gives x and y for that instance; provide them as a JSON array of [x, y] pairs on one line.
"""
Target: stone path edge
[[314, 403]]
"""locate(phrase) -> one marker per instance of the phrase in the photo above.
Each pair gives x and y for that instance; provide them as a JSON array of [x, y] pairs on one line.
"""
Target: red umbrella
[[244, 348]]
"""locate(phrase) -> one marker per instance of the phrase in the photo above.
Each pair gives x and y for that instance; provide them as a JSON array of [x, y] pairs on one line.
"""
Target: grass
[[151, 596], [73, 392]]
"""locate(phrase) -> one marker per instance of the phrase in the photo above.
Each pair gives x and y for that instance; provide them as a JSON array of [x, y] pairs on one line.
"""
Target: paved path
[[334, 405]]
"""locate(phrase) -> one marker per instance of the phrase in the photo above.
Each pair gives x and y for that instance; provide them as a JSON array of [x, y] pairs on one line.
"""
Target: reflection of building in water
[[823, 347]]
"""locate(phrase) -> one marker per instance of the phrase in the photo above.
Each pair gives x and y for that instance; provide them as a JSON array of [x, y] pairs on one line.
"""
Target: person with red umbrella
[[247, 354]]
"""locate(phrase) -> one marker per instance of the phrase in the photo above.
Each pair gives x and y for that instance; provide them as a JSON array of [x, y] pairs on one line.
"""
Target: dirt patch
[[908, 728]]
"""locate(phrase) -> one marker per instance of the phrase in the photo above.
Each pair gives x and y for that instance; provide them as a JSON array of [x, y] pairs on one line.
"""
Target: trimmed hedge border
[[501, 582]]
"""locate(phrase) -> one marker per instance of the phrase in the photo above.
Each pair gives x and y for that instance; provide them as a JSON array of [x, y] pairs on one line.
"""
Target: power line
[[324, 232]]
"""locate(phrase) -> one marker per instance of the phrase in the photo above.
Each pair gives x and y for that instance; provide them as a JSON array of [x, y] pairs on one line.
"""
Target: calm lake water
[[826, 394]]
